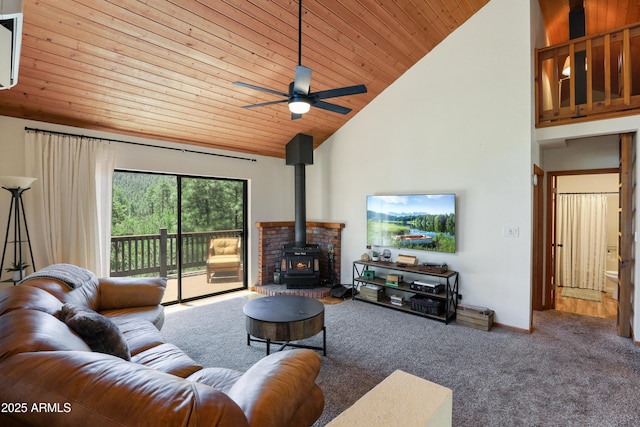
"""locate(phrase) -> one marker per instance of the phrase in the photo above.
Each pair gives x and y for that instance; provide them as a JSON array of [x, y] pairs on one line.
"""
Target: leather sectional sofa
[[51, 376]]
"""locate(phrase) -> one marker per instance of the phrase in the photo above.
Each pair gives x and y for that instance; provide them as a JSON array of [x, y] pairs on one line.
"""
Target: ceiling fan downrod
[[300, 33], [299, 97]]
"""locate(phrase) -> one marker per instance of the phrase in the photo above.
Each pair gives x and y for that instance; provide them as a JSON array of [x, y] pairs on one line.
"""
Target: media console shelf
[[381, 270]]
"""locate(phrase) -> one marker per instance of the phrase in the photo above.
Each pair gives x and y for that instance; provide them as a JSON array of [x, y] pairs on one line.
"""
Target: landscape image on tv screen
[[414, 221]]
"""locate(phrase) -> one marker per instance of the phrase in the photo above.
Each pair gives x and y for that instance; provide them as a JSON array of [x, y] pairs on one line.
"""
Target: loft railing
[[157, 254], [602, 79]]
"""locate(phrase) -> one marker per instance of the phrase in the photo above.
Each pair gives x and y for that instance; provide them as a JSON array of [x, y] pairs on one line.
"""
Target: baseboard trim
[[512, 328]]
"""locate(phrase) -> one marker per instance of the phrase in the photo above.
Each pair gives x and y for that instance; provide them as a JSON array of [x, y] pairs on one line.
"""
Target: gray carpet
[[572, 371]]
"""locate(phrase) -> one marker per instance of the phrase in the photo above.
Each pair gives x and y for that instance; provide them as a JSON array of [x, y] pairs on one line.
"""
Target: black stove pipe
[[577, 29], [300, 206], [299, 153]]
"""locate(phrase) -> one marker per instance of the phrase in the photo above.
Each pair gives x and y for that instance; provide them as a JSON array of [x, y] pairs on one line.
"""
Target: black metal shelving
[[449, 279]]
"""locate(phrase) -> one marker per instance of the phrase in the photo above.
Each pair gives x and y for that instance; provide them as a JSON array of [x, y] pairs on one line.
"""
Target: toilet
[[611, 284]]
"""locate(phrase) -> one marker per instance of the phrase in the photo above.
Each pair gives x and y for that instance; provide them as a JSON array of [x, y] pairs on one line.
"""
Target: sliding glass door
[[190, 230], [211, 229]]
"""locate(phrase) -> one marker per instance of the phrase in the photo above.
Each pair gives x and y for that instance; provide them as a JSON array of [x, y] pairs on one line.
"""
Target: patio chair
[[224, 256]]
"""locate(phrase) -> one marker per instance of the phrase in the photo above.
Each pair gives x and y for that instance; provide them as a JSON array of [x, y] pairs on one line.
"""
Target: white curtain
[[580, 261], [71, 199]]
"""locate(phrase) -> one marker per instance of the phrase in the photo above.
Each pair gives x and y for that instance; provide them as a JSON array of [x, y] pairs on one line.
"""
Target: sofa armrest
[[124, 292], [78, 388], [274, 390]]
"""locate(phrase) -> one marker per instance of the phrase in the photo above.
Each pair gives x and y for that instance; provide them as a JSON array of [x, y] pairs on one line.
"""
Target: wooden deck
[[196, 285]]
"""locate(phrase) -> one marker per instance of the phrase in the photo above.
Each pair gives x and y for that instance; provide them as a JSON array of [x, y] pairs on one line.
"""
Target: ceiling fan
[[300, 98]]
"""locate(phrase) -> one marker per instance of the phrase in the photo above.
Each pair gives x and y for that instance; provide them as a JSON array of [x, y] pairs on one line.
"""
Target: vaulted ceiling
[[165, 69], [600, 16]]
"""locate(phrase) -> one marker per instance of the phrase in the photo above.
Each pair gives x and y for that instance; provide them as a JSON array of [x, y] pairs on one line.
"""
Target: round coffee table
[[281, 319]]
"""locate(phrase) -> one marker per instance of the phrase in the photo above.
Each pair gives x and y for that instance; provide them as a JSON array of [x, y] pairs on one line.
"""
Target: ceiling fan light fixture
[[299, 97], [298, 106]]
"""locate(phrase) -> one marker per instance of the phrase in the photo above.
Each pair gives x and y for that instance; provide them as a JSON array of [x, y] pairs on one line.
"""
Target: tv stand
[[448, 297]]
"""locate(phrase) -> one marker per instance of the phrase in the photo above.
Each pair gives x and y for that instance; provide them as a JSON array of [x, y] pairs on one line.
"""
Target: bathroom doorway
[[585, 242], [593, 156]]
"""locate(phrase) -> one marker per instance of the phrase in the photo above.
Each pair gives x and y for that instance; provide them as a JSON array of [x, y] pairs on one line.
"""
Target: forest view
[[144, 203]]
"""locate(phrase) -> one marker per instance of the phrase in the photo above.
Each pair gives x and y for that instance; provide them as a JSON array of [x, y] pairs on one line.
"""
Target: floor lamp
[[17, 185]]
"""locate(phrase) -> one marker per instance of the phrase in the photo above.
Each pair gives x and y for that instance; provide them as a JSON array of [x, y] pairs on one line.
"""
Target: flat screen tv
[[412, 221]]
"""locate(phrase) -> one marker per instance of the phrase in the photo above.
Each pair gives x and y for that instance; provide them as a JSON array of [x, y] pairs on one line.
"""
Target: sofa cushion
[[99, 332], [225, 246], [221, 261], [167, 358], [28, 298], [152, 313], [122, 292], [86, 295], [24, 331], [140, 335]]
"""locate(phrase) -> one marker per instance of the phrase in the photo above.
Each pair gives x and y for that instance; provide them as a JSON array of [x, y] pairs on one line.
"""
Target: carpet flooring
[[571, 371]]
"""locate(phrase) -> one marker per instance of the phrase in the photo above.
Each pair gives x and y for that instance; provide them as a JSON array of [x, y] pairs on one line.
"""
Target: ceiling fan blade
[[302, 82], [263, 104], [343, 91], [295, 116], [263, 89], [332, 107]]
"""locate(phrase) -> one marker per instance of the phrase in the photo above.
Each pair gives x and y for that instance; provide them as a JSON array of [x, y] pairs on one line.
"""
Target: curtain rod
[[601, 192], [183, 150]]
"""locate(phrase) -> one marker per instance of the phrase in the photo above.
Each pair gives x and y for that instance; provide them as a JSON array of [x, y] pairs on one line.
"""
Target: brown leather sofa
[[49, 376]]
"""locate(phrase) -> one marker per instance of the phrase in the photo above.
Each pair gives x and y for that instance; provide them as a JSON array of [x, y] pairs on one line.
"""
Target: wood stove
[[300, 264]]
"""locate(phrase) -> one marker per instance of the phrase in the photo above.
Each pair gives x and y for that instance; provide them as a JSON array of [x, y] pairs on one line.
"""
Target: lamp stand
[[14, 209]]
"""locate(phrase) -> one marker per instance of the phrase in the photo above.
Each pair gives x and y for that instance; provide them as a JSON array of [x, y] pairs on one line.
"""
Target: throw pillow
[[99, 332]]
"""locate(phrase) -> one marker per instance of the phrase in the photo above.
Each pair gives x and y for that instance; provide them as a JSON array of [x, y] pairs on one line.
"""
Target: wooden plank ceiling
[[600, 16], [164, 69]]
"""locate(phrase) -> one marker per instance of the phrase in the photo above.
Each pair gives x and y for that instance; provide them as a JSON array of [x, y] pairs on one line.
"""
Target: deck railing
[[589, 78], [157, 254]]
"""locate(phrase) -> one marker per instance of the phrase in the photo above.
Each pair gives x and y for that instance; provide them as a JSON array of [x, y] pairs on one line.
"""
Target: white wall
[[458, 121], [270, 180], [598, 152], [538, 40]]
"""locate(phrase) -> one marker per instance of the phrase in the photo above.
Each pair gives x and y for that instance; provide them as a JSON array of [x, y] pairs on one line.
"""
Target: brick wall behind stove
[[271, 238]]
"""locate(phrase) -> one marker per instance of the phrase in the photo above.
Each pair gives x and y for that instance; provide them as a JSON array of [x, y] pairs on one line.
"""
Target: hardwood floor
[[607, 308]]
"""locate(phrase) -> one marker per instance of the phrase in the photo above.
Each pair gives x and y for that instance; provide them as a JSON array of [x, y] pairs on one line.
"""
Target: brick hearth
[[273, 235], [318, 292]]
